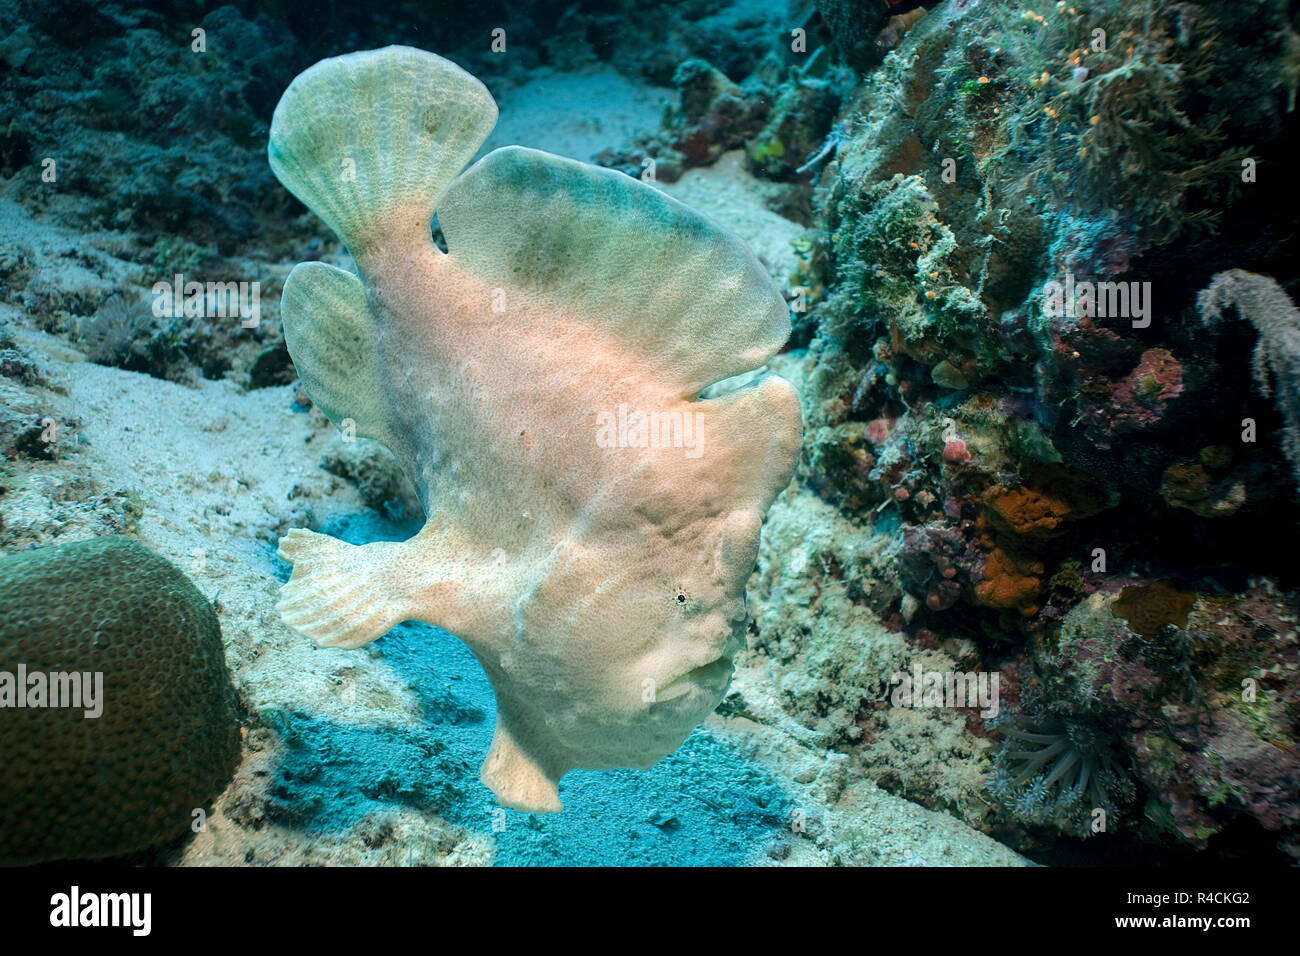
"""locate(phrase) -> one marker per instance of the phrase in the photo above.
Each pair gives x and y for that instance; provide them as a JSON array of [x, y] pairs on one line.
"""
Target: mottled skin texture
[[601, 588]]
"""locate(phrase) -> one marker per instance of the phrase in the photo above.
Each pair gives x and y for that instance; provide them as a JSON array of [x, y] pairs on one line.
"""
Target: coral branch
[[1265, 304]]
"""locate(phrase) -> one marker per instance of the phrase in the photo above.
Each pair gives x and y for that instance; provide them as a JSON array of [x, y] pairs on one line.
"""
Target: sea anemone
[[119, 331], [1059, 772]]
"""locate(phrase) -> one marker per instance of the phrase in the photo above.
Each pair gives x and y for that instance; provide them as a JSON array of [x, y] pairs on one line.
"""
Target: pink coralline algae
[[955, 452], [1139, 400]]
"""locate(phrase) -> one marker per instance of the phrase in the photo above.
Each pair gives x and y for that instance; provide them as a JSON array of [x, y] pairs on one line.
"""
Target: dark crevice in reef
[[1216, 553], [1241, 843]]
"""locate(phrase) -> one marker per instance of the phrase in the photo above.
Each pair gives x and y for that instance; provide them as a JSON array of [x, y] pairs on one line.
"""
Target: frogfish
[[592, 513]]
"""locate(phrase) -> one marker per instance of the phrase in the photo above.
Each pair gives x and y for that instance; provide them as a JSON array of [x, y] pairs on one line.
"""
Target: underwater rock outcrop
[[591, 520], [126, 761], [1006, 373]]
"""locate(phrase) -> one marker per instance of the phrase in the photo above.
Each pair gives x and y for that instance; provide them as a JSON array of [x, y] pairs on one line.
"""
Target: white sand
[[218, 473]]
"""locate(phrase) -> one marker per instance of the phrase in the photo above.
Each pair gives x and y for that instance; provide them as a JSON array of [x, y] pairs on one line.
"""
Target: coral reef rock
[[99, 767]]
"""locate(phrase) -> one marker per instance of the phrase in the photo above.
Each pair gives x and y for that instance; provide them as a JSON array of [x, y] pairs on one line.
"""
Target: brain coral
[[166, 740], [592, 519]]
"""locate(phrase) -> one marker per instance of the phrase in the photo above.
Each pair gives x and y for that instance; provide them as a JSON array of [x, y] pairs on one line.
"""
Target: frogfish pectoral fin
[[346, 595], [337, 594], [518, 779]]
